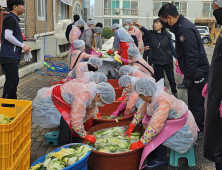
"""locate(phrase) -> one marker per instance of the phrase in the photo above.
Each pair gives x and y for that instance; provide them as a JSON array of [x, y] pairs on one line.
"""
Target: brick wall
[[34, 25]]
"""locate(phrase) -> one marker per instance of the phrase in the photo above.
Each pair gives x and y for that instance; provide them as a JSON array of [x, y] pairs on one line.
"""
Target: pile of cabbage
[[63, 158], [5, 119], [113, 140]]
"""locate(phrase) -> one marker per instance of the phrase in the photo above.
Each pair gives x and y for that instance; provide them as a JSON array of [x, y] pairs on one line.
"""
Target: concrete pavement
[[30, 84]]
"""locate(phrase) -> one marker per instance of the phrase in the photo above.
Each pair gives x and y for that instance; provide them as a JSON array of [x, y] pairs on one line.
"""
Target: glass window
[[134, 4], [107, 23], [157, 6], [41, 9], [207, 9], [62, 10], [181, 7], [115, 21]]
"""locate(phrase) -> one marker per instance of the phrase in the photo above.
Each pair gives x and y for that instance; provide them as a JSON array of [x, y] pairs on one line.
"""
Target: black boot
[[160, 160]]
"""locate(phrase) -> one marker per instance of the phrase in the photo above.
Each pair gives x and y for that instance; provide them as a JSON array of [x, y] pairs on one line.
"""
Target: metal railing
[[206, 13], [183, 12], [118, 11]]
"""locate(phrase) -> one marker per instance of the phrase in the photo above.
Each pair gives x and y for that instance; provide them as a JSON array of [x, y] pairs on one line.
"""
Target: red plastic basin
[[114, 82]]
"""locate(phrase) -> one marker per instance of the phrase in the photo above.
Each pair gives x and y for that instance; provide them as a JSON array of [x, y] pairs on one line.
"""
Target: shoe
[[160, 158], [181, 86], [176, 95]]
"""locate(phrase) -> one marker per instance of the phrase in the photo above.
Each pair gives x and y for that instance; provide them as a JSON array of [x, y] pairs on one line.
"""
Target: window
[[207, 9], [181, 7], [62, 10], [157, 6], [107, 23], [77, 8], [41, 9], [130, 7]]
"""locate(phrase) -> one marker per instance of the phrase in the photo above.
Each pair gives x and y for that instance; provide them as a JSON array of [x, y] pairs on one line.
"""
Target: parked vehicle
[[203, 28], [172, 36], [205, 36]]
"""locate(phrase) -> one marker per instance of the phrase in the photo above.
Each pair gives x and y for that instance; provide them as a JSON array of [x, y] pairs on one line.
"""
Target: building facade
[[35, 16], [145, 11]]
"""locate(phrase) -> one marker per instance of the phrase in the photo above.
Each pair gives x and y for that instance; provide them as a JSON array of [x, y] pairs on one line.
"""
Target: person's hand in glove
[[139, 49], [130, 129], [28, 56], [98, 116], [90, 138], [125, 60], [120, 99], [188, 83], [119, 109], [109, 52], [136, 145], [99, 54]]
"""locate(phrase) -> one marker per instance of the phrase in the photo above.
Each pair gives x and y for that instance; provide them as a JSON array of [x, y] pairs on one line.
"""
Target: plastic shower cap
[[133, 51], [79, 23], [106, 92], [125, 70], [218, 2], [91, 22], [95, 62], [114, 26], [97, 30], [78, 44], [145, 86], [125, 81], [99, 77], [128, 21]]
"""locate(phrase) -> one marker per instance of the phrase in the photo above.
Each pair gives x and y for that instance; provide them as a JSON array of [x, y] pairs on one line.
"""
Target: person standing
[[98, 38], [213, 116], [191, 57], [135, 33], [11, 48], [69, 27], [162, 52], [122, 41]]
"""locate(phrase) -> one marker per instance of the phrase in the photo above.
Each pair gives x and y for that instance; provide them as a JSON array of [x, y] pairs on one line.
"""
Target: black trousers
[[11, 80], [146, 55], [159, 74], [218, 166], [64, 133], [196, 102]]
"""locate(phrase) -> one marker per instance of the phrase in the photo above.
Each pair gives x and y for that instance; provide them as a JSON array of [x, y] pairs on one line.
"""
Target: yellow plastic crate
[[15, 136]]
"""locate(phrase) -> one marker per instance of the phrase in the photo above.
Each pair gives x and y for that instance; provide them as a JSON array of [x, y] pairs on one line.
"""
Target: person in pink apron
[[92, 65], [167, 122], [70, 107], [75, 34], [136, 59], [134, 32], [78, 54]]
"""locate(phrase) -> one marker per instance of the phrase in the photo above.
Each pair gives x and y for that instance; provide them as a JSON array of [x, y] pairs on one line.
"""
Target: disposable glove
[[204, 91], [125, 60], [109, 52], [119, 109], [99, 54], [139, 49], [90, 138], [120, 99], [28, 56], [188, 83], [136, 145], [98, 116], [130, 129]]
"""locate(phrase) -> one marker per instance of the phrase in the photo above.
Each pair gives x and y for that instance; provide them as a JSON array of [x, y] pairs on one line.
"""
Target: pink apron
[[171, 127], [72, 46]]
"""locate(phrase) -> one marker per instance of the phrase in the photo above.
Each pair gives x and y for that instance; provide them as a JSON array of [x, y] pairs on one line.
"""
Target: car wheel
[[205, 40]]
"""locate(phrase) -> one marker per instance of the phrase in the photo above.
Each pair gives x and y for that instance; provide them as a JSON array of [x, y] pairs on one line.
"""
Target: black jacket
[[213, 121], [161, 48], [190, 51], [68, 29], [145, 40]]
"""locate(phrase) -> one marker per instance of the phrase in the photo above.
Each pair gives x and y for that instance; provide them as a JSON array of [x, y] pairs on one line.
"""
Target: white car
[[205, 36], [172, 36], [203, 28]]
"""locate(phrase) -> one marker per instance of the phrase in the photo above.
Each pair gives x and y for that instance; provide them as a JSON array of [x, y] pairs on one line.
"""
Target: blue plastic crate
[[80, 165]]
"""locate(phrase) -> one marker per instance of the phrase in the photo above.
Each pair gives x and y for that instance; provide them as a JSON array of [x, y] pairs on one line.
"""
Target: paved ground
[[29, 86]]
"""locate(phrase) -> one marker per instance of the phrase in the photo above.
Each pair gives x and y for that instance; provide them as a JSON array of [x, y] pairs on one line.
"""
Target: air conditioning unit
[[117, 11]]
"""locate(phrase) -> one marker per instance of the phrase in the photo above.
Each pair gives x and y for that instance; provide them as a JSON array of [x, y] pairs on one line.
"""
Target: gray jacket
[[98, 41], [87, 37]]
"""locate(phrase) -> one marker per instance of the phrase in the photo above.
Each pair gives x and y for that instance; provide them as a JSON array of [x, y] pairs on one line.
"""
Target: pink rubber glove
[[220, 109], [92, 52], [178, 71], [68, 78], [126, 114], [125, 60], [165, 88], [99, 54], [204, 91], [119, 109]]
